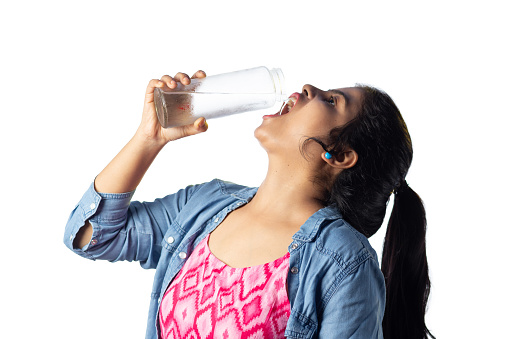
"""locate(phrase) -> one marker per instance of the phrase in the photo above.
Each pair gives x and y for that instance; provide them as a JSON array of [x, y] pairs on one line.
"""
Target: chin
[[260, 134], [266, 138]]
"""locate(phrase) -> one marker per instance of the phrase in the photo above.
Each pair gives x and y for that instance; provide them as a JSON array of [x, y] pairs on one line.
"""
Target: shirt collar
[[309, 229]]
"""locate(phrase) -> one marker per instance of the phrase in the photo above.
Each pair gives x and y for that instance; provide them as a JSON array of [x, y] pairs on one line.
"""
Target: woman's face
[[314, 114]]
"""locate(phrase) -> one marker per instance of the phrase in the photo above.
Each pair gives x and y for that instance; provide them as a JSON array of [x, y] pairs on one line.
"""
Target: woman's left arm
[[356, 308]]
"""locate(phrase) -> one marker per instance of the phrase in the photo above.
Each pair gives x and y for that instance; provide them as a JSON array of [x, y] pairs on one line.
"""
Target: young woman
[[289, 258]]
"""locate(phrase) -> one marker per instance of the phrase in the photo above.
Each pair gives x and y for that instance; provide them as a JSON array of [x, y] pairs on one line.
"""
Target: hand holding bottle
[[150, 128]]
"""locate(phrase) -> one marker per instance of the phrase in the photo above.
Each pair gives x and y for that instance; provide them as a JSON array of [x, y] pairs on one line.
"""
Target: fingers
[[199, 74], [182, 78], [200, 125], [150, 88], [170, 82]]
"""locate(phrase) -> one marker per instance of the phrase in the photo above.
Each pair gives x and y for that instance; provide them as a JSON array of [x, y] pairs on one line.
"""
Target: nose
[[310, 91]]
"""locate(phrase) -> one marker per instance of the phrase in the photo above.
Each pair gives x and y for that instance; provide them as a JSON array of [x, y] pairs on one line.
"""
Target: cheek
[[316, 120], [315, 127]]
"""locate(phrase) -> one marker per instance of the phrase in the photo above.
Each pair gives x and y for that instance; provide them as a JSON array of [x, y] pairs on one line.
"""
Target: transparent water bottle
[[220, 95]]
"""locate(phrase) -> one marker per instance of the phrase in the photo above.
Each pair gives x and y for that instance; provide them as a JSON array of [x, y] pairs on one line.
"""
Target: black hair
[[379, 135]]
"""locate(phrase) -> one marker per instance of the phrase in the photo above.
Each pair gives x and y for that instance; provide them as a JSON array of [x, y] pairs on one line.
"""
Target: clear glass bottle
[[220, 95]]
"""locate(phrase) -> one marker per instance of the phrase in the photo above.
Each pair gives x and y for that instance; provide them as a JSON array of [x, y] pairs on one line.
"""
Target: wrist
[[148, 142]]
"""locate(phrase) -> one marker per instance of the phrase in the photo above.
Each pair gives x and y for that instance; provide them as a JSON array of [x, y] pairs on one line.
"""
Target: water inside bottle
[[182, 108]]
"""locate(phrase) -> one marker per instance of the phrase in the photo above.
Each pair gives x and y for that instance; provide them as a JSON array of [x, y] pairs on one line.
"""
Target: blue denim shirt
[[335, 286]]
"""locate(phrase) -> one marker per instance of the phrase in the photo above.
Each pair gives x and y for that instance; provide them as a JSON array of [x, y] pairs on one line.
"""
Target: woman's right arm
[[125, 171]]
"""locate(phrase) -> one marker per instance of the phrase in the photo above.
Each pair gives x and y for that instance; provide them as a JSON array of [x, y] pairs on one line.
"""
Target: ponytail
[[405, 267], [380, 137]]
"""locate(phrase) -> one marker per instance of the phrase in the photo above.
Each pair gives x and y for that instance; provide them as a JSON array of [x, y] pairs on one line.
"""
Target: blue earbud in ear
[[328, 155]]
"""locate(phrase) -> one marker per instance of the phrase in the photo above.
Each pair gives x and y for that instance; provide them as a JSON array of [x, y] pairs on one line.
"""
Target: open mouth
[[289, 104], [287, 107]]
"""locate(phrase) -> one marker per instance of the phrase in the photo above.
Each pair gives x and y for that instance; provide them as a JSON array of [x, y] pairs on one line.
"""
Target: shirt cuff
[[99, 209]]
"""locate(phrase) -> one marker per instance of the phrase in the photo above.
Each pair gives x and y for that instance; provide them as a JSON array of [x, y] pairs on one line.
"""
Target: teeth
[[287, 106]]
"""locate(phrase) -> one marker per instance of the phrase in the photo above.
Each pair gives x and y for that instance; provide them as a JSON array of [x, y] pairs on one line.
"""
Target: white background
[[72, 81]]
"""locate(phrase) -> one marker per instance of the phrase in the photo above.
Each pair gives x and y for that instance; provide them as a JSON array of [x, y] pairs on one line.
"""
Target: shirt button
[[159, 300], [294, 270], [182, 255], [71, 237], [93, 242], [239, 203], [294, 246], [92, 206], [216, 220], [170, 240]]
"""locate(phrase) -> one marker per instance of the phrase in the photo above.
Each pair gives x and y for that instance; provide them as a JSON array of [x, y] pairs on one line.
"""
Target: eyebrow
[[337, 91]]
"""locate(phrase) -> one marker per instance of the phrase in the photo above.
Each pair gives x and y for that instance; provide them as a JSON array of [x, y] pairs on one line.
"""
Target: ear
[[344, 160]]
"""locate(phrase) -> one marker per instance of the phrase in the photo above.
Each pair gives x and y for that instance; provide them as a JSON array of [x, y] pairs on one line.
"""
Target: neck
[[287, 194]]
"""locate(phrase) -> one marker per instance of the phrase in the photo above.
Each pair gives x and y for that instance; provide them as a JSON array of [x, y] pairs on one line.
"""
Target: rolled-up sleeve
[[356, 308], [124, 230]]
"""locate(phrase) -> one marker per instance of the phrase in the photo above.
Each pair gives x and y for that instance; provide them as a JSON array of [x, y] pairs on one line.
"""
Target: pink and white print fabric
[[209, 299]]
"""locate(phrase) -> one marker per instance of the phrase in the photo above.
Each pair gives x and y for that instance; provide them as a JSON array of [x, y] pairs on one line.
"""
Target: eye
[[331, 101]]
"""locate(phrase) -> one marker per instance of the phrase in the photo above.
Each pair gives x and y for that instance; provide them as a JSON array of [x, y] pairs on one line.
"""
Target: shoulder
[[340, 269], [209, 195], [350, 262], [230, 189], [215, 186], [347, 247]]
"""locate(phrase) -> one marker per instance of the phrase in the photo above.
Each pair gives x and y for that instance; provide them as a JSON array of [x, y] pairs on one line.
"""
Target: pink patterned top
[[209, 299]]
